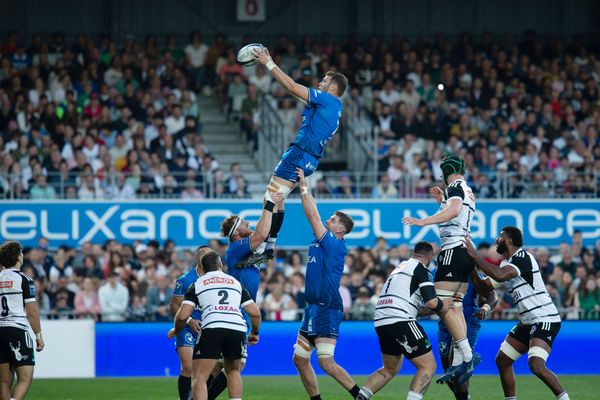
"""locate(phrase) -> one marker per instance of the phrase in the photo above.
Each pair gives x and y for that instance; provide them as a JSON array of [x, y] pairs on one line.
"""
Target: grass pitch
[[580, 387]]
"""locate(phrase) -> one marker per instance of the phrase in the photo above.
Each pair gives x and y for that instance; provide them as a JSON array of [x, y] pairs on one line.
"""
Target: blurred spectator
[[279, 305], [363, 308], [86, 300], [113, 298], [158, 299]]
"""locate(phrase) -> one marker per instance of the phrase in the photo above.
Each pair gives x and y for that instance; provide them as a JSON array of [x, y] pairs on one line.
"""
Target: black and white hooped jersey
[[453, 231], [16, 289], [407, 287], [529, 291], [220, 298]]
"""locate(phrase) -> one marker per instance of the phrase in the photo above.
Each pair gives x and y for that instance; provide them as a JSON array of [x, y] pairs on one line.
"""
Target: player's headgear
[[229, 226], [453, 164]]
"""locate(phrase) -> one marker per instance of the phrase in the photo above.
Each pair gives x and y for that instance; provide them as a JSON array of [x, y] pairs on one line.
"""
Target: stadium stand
[[101, 119]]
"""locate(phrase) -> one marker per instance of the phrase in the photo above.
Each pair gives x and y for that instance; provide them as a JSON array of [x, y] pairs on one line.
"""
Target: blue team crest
[[32, 289]]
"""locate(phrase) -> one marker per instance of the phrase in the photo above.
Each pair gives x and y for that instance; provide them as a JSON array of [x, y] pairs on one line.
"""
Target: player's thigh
[[232, 365], [185, 354], [392, 363], [202, 368], [304, 345], [444, 341], [6, 374], [543, 335], [425, 361], [454, 266], [233, 345], [24, 373], [325, 346]]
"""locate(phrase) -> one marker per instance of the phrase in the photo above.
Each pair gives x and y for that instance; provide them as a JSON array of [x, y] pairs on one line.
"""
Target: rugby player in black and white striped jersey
[[539, 321]]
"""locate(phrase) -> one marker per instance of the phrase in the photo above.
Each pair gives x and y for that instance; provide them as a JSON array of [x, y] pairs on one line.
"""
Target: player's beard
[[501, 247]]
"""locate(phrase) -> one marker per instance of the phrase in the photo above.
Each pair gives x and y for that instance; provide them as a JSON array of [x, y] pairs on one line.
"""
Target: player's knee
[[300, 361], [186, 369], [536, 365], [327, 364]]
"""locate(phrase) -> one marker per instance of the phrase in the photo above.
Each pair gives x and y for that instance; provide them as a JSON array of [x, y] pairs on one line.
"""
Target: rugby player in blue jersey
[[243, 244], [186, 339], [320, 121], [324, 311], [473, 314]]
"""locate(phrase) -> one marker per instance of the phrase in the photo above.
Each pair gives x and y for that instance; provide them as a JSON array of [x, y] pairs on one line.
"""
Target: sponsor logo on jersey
[[225, 308], [218, 280], [382, 302], [312, 259], [6, 284]]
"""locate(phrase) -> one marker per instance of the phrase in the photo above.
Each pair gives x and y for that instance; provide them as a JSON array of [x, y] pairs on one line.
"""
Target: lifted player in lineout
[[457, 206], [320, 121], [539, 321]]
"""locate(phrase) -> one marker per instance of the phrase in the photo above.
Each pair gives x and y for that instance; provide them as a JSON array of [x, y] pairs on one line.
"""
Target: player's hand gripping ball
[[246, 54]]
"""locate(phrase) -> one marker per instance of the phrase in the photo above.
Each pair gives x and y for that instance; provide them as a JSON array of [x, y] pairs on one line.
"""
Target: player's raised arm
[[451, 211], [284, 79], [309, 206]]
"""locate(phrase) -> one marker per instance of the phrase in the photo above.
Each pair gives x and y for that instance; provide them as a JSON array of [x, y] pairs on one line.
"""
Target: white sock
[[465, 349], [271, 243], [563, 396], [414, 396], [457, 357], [366, 392], [511, 398], [235, 398]]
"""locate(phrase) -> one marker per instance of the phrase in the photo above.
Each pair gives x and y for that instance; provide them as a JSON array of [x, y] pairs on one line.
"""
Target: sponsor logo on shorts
[[17, 350], [404, 344], [449, 275]]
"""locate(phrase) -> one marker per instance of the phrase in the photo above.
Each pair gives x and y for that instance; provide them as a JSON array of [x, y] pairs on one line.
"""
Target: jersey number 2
[[224, 295], [4, 307]]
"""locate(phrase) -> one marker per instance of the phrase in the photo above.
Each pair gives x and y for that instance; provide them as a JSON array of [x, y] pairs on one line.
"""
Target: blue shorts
[[321, 321], [249, 278], [185, 338], [445, 338], [294, 157]]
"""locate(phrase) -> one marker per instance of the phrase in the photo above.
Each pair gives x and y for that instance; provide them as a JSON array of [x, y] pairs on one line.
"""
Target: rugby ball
[[245, 56]]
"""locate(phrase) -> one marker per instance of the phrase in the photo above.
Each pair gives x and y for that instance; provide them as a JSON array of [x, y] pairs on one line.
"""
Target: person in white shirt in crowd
[[389, 95], [279, 305], [175, 122], [196, 57], [410, 96], [113, 298]]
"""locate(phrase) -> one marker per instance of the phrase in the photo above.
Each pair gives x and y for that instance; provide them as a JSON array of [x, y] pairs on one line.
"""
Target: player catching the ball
[[320, 121]]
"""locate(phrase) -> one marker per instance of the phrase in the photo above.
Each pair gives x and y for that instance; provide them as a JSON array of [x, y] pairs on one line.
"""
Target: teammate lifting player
[[324, 310], [539, 321], [457, 206]]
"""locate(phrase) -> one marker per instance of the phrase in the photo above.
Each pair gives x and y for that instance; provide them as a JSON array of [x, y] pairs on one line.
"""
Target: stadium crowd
[[99, 118], [115, 282]]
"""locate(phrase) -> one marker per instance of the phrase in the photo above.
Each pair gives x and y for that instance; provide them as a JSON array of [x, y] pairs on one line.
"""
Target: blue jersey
[[324, 271], [183, 284], [320, 121], [248, 275]]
